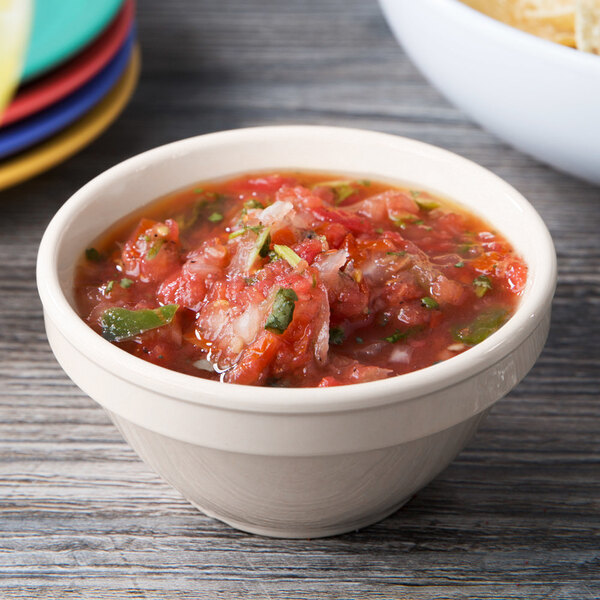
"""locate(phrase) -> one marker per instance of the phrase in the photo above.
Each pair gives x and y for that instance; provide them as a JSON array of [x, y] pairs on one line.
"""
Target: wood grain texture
[[517, 515]]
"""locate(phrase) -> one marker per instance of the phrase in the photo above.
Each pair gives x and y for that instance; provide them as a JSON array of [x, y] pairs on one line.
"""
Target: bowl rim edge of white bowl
[[530, 312]]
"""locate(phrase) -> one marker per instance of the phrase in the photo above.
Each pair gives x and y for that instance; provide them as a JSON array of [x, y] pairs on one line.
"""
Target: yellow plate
[[75, 137]]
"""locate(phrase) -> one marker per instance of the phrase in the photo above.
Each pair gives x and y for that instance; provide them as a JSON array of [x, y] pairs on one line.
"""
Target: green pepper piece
[[119, 324], [287, 254], [426, 204], [154, 249], [341, 189], [481, 327]]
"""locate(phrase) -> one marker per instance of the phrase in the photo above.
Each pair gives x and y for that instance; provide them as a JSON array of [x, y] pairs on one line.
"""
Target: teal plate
[[61, 28]]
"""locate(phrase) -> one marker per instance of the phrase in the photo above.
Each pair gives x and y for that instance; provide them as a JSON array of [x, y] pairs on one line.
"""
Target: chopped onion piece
[[276, 212], [401, 355], [331, 261], [458, 347], [203, 365]]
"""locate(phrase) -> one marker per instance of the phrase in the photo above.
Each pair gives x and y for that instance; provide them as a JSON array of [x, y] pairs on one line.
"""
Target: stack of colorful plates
[[81, 68]]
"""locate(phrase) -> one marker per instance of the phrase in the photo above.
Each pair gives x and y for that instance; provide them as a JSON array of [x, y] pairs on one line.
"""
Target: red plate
[[66, 79]]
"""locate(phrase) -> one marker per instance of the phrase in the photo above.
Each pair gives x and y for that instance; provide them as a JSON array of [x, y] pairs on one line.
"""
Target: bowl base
[[285, 533], [298, 496]]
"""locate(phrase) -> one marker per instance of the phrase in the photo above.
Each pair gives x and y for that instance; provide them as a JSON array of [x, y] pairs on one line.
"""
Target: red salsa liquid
[[298, 280]]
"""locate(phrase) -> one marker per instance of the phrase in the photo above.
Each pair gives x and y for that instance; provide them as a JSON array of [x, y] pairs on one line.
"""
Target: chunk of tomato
[[152, 252]]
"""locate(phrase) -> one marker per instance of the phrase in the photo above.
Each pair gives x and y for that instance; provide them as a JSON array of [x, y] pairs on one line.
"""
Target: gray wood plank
[[517, 515]]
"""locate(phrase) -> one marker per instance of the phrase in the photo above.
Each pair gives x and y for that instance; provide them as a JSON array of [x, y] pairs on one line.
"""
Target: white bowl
[[541, 97], [295, 462]]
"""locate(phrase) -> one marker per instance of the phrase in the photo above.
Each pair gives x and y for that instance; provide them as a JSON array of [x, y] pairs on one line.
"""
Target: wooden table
[[517, 515]]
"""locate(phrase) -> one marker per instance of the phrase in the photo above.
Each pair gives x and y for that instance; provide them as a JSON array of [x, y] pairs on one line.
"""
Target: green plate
[[61, 28]]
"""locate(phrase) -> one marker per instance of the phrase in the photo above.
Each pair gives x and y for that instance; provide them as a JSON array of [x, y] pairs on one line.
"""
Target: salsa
[[298, 280]]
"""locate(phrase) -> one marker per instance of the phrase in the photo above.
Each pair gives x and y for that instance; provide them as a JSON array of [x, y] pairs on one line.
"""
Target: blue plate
[[47, 122]]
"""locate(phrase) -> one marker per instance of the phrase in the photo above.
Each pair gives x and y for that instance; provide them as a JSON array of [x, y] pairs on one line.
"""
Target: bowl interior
[[149, 176]]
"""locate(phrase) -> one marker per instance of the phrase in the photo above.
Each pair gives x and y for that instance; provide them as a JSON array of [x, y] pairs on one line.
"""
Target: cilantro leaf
[[337, 336], [397, 336], [253, 203], [215, 217], [482, 285], [282, 311], [430, 303], [93, 254]]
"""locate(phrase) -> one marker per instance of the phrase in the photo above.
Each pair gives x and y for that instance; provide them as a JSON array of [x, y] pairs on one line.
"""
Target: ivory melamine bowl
[[539, 96], [295, 462]]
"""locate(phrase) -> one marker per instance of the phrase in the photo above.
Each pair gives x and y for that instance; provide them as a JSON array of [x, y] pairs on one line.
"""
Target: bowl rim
[[498, 30], [531, 310]]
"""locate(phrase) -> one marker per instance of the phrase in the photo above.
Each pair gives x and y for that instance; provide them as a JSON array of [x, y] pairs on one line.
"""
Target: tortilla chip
[[550, 19], [587, 25], [497, 9]]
